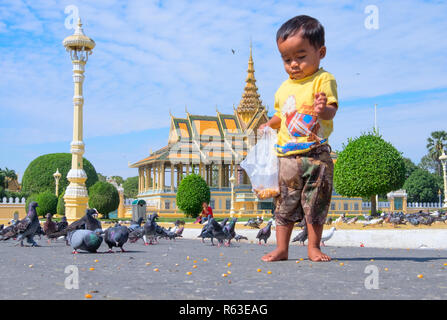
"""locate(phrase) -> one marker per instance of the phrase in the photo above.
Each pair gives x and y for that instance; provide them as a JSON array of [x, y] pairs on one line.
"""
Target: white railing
[[12, 200], [367, 205]]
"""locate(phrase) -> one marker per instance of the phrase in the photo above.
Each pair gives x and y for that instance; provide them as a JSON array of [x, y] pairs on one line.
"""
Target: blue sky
[[155, 56]]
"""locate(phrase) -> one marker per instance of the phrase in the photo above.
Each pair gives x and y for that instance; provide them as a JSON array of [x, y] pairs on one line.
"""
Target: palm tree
[[10, 175], [436, 143]]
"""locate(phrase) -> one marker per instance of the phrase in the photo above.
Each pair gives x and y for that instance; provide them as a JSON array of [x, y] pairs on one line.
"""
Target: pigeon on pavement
[[87, 222], [150, 229], [25, 228], [326, 236], [116, 236], [86, 240], [49, 226], [302, 236], [265, 232]]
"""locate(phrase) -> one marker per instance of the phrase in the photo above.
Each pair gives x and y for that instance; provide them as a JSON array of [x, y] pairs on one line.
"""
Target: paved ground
[[38, 273]]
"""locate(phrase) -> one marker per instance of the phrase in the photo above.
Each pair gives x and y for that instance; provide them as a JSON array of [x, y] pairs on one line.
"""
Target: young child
[[305, 105]]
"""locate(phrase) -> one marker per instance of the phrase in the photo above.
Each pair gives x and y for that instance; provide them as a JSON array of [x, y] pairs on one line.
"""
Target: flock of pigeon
[[86, 233], [396, 218]]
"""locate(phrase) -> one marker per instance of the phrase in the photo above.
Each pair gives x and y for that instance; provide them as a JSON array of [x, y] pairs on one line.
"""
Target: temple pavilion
[[212, 146]]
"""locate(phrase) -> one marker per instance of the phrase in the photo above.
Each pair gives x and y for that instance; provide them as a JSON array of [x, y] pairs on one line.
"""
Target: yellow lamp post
[[443, 159], [76, 197], [57, 176], [232, 181]]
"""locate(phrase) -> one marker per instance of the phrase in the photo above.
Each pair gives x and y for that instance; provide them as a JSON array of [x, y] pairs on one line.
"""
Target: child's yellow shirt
[[300, 127]]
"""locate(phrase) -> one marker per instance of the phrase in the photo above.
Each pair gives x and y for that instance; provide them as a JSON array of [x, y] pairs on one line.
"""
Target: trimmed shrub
[[421, 186], [38, 176], [191, 193], [47, 202], [367, 166], [61, 205], [104, 197]]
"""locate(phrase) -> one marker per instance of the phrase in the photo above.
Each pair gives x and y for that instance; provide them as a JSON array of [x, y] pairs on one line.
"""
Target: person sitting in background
[[207, 213]]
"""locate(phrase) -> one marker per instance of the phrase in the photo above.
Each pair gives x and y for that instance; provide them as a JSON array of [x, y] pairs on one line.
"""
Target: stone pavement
[[38, 273]]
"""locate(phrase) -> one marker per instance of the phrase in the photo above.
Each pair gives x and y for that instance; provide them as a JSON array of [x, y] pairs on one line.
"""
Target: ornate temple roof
[[250, 104], [201, 138]]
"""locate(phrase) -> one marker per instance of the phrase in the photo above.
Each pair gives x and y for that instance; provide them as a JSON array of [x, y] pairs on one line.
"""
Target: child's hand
[[320, 103]]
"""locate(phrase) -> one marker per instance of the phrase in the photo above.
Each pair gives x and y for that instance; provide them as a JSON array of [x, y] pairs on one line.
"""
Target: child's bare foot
[[316, 255], [275, 255]]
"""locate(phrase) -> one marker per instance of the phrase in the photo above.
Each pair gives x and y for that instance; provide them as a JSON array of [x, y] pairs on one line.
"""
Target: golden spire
[[250, 102]]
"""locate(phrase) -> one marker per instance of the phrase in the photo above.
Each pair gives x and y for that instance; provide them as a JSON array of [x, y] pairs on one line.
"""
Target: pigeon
[[302, 236], [373, 222], [136, 234], [353, 220], [206, 233], [150, 229], [328, 221], [25, 228], [252, 223], [217, 231], [87, 222], [8, 228], [229, 231], [178, 232], [340, 219], [265, 232], [116, 236], [1, 227], [49, 226], [368, 217], [86, 240], [63, 224], [239, 237], [326, 236], [413, 221]]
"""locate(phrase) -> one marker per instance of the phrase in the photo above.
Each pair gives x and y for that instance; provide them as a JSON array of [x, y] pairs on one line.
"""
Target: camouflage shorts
[[305, 183]]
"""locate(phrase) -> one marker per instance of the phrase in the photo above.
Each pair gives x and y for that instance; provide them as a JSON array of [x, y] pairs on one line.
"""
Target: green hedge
[[38, 176], [104, 197], [47, 202], [191, 194]]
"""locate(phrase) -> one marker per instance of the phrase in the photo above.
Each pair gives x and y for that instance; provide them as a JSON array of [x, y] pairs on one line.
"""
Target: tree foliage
[[61, 205], [191, 193], [368, 165], [47, 202], [435, 144], [38, 176], [130, 186], [421, 186], [104, 197]]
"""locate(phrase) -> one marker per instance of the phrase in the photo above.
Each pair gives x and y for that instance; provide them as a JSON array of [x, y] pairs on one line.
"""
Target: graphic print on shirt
[[300, 124]]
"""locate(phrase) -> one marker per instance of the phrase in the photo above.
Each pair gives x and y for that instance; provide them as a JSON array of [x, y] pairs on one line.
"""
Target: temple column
[[148, 174], [139, 180], [220, 175], [172, 177], [163, 176], [153, 177], [187, 169]]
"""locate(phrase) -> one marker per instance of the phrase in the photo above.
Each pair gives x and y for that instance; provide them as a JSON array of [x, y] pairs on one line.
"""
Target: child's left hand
[[320, 103]]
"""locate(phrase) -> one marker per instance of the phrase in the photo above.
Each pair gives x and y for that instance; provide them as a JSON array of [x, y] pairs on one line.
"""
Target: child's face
[[300, 58]]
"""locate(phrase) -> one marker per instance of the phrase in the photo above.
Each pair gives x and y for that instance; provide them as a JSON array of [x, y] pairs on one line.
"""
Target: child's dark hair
[[311, 29]]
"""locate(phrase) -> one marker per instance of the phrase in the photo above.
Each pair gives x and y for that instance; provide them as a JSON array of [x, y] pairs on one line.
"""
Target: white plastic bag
[[261, 166]]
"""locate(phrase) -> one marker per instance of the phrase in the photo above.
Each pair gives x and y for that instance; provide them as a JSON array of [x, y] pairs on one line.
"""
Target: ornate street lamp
[[57, 176], [443, 159], [232, 181], [76, 197]]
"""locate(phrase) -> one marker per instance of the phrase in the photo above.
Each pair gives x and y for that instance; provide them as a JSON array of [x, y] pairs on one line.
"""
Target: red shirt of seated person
[[207, 213]]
